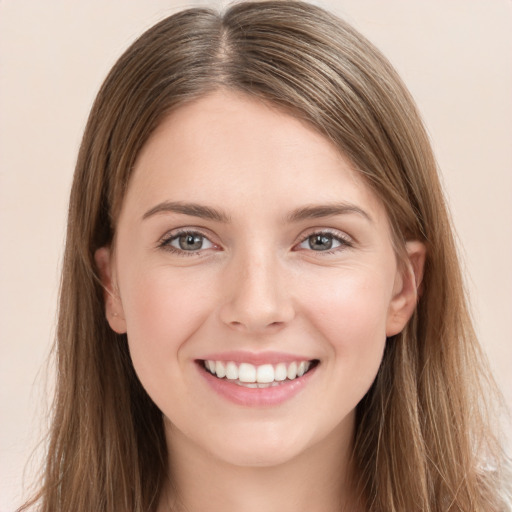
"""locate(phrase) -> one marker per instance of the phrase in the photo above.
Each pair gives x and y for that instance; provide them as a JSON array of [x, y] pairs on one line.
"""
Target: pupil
[[320, 242], [190, 242]]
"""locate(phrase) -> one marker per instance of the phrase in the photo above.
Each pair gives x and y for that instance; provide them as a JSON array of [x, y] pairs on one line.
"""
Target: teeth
[[257, 384], [220, 369], [292, 371], [262, 376], [247, 373], [231, 371], [250, 384], [281, 372], [265, 374]]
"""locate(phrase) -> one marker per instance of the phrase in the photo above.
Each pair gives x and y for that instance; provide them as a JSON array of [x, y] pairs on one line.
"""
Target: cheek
[[162, 312], [349, 311], [348, 303]]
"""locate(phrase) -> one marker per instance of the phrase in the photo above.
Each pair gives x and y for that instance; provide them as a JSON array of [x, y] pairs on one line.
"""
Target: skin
[[255, 285]]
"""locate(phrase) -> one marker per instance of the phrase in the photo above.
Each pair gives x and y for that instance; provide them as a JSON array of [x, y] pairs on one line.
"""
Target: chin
[[261, 448], [258, 456]]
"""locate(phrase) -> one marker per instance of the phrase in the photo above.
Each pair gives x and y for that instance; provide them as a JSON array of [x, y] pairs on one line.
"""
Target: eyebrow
[[327, 210], [300, 214], [192, 209]]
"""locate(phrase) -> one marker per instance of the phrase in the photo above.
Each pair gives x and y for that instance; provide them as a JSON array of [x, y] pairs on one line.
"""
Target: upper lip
[[255, 358]]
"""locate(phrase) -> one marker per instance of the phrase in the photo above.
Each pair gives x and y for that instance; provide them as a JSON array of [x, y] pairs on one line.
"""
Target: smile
[[258, 376], [257, 379]]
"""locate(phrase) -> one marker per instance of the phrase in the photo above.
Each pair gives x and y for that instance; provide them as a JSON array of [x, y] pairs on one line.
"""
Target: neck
[[318, 479]]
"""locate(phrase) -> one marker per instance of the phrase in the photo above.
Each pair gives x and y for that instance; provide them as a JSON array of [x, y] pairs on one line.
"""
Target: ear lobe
[[407, 288], [113, 306]]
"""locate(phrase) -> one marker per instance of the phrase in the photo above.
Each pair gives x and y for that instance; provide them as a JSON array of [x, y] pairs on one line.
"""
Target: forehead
[[233, 150]]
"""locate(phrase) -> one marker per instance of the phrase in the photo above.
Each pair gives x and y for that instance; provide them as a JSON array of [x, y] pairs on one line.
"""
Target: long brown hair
[[423, 441]]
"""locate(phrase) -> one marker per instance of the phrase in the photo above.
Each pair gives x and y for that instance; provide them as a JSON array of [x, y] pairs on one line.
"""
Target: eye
[[186, 241], [324, 242]]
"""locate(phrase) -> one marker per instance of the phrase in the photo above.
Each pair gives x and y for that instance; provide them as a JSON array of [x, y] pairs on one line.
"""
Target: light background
[[455, 57]]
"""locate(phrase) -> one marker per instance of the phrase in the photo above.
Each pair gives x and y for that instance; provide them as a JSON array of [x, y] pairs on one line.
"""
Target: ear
[[113, 306], [407, 288]]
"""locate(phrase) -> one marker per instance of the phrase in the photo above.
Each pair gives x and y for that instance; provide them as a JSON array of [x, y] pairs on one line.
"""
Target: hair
[[423, 440]]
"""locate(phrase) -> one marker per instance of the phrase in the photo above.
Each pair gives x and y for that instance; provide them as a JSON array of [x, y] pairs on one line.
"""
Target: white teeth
[[247, 373], [261, 376], [281, 372], [265, 373], [220, 369], [257, 384], [231, 371], [292, 371]]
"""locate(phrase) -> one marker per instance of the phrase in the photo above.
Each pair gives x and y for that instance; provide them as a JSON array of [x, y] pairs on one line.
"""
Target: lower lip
[[256, 397]]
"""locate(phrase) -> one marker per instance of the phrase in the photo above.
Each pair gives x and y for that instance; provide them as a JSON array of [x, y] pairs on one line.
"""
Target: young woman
[[261, 304]]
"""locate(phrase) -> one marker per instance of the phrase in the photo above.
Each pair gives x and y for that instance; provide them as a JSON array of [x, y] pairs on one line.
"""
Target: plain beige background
[[455, 57]]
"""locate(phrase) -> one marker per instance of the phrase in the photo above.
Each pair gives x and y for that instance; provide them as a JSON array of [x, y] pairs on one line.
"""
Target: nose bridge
[[257, 297]]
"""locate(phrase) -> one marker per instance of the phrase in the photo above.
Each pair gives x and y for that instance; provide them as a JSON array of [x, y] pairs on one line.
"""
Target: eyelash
[[165, 242], [344, 241]]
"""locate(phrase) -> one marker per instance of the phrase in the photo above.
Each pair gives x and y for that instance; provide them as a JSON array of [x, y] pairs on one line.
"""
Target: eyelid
[[164, 241], [345, 240]]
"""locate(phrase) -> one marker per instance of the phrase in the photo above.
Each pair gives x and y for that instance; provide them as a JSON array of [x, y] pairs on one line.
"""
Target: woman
[[261, 303]]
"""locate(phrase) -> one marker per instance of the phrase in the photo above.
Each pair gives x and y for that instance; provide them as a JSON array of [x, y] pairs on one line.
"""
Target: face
[[254, 274]]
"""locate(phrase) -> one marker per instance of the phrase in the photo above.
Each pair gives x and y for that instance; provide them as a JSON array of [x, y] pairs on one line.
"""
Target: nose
[[257, 297]]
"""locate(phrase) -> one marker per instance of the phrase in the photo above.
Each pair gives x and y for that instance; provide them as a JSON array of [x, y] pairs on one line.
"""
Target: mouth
[[248, 375]]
